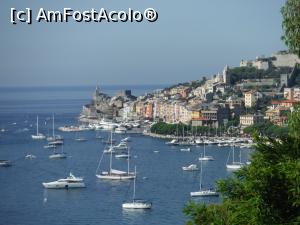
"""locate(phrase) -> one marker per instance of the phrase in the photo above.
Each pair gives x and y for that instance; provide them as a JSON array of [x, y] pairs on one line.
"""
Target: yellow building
[[250, 99]]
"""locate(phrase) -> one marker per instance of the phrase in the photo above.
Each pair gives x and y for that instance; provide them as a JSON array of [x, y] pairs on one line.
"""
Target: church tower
[[226, 75]]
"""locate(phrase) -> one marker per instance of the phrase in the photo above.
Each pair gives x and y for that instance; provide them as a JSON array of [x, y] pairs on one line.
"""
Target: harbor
[[160, 176]]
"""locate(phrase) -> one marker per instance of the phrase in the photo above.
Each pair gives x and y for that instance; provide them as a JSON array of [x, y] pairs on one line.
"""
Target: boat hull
[[204, 193], [63, 185], [136, 205], [115, 177]]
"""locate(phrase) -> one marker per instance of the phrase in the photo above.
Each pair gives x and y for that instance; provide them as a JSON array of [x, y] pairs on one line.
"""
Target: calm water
[[160, 177]]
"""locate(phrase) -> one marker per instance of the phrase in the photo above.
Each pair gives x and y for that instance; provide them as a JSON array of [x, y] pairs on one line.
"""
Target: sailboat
[[58, 155], [136, 203], [203, 192], [205, 157], [114, 174], [234, 165], [38, 136], [55, 139]]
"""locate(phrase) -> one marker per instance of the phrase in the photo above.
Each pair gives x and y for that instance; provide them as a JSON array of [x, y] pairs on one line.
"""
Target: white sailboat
[[55, 139], [114, 174], [38, 136], [203, 192], [234, 165], [205, 157], [70, 182], [136, 203]]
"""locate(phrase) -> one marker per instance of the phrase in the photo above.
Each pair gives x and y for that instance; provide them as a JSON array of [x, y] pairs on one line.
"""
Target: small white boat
[[50, 146], [127, 139], [120, 130], [30, 156], [205, 157], [70, 182], [172, 142], [192, 167], [5, 163], [120, 146], [56, 155], [38, 136], [204, 193], [156, 151], [136, 203], [185, 149], [122, 156], [80, 139]]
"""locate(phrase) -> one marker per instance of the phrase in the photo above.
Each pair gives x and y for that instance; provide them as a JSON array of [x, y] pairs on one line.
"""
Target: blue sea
[[24, 201]]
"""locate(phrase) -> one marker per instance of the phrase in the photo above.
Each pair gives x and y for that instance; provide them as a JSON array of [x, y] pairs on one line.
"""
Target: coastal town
[[258, 91]]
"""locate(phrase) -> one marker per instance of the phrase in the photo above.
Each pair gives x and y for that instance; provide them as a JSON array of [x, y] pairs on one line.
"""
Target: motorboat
[[69, 182], [5, 163], [172, 142], [192, 167], [185, 149], [30, 156]]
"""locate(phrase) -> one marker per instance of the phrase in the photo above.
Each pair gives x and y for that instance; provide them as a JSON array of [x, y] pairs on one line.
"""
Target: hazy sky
[[190, 39]]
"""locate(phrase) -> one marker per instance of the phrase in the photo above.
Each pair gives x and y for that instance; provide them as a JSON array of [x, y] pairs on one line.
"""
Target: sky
[[190, 39]]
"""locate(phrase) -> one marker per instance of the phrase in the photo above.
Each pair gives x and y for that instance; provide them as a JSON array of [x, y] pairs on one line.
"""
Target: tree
[[266, 192], [291, 25]]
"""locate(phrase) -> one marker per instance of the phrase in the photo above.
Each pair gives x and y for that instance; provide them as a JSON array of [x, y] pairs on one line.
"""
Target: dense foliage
[[267, 129], [265, 192], [291, 24], [178, 129]]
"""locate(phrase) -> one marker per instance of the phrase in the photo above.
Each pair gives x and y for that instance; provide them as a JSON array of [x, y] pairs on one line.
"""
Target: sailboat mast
[[53, 125], [111, 149], [134, 183], [233, 153], [204, 148], [200, 174], [128, 160], [37, 125]]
